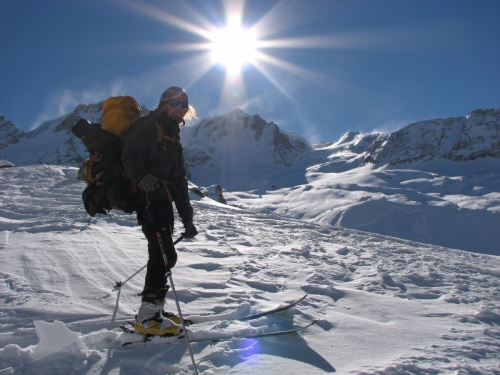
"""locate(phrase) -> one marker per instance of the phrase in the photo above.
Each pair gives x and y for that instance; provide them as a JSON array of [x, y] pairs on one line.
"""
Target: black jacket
[[143, 155]]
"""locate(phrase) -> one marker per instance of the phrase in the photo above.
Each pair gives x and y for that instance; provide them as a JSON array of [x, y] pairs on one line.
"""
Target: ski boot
[[175, 318], [151, 322]]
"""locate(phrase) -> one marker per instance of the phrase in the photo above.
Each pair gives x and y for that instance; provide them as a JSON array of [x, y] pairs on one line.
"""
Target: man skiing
[[153, 159]]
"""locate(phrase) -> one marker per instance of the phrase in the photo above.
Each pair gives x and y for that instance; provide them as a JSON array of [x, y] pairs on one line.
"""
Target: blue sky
[[324, 67]]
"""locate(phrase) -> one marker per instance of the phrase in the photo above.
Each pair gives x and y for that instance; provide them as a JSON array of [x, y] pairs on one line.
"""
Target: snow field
[[386, 305]]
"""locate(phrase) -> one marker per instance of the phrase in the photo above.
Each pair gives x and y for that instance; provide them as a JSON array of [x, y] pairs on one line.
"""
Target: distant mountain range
[[243, 152], [421, 183]]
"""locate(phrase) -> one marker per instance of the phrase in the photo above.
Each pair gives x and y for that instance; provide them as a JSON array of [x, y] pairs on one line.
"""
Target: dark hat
[[174, 93]]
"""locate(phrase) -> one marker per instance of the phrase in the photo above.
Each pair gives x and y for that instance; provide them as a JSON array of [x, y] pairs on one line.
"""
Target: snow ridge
[[457, 139]]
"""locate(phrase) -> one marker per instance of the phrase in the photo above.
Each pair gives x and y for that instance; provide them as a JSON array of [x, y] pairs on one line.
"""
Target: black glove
[[190, 229], [148, 184]]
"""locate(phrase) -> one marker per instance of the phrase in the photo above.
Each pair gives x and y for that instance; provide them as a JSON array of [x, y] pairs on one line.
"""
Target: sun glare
[[233, 48]]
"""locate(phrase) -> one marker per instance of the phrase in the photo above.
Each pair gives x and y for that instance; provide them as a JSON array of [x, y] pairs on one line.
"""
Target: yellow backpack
[[118, 113]]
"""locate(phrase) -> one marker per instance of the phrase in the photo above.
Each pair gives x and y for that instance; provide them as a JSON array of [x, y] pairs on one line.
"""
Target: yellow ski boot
[[150, 322]]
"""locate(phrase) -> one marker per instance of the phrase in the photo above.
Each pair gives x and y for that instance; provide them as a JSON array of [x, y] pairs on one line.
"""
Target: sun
[[233, 47]]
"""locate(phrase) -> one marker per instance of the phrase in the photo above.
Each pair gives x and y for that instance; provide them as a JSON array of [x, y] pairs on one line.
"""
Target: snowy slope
[[454, 206], [386, 306]]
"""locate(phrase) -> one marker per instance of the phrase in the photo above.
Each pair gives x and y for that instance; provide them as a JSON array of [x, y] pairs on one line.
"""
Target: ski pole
[[119, 284], [168, 276]]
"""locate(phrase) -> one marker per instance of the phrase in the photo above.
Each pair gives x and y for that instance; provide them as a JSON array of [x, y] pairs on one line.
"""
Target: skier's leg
[[150, 320]]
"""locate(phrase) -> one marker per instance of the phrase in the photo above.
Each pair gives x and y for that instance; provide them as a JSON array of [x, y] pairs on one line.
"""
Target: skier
[[153, 160]]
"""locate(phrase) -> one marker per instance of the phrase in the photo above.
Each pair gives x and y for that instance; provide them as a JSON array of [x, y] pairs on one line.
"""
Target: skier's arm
[[183, 203]]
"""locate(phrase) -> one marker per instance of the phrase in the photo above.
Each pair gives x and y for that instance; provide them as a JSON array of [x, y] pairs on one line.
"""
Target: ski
[[188, 321], [168, 340], [255, 335]]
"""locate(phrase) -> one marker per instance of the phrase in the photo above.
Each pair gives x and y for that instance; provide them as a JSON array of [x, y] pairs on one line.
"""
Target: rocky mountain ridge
[[9, 133], [229, 149], [476, 135], [242, 151]]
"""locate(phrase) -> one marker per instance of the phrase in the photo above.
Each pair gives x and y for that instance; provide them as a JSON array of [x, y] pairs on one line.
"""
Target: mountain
[[9, 133], [236, 150], [418, 183], [457, 139], [242, 152], [52, 142]]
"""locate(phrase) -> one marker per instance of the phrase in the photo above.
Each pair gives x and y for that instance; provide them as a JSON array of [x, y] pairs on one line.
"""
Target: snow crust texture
[[386, 305]]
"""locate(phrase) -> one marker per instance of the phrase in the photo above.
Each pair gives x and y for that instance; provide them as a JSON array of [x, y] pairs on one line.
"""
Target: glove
[[190, 229], [148, 184]]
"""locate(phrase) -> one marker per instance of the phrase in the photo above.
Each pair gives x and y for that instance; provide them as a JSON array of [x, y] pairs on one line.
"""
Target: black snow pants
[[157, 217]]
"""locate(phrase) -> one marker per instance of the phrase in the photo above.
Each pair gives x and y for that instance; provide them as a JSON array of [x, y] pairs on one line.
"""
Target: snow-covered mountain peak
[[347, 137], [352, 142], [484, 115], [476, 135], [237, 148], [52, 142], [91, 112], [9, 133]]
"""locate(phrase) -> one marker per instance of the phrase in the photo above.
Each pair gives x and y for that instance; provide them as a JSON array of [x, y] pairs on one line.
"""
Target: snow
[[5, 163], [385, 305]]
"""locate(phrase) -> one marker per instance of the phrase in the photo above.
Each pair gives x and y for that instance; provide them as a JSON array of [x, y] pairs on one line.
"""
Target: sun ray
[[263, 70], [279, 18], [233, 92], [305, 74], [191, 69], [376, 39], [185, 72], [236, 47], [165, 17], [168, 47]]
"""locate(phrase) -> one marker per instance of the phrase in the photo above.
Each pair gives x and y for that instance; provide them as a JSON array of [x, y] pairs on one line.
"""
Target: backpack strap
[[88, 177], [160, 137], [165, 184], [93, 159]]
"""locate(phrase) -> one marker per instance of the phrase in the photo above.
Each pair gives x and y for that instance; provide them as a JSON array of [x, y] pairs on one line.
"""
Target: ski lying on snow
[[188, 321], [275, 310], [255, 335], [162, 340]]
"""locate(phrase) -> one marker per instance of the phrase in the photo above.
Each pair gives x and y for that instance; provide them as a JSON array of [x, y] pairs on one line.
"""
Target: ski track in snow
[[386, 306]]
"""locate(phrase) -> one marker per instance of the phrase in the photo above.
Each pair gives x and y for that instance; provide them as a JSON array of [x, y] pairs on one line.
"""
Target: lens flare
[[236, 47], [233, 47]]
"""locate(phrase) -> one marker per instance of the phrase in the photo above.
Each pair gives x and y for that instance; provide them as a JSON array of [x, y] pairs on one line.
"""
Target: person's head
[[175, 102]]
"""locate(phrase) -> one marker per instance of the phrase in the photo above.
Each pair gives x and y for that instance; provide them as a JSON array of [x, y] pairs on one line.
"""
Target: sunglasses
[[175, 103]]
